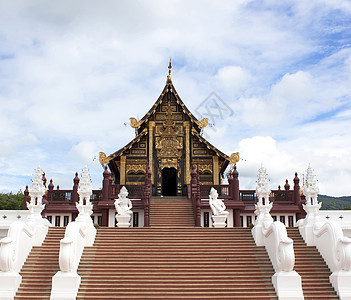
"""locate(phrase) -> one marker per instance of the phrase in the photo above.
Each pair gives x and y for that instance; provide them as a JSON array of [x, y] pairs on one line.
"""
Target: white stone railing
[[342, 217], [328, 237], [273, 235], [334, 246], [279, 247], [66, 282], [79, 234], [15, 247], [72, 246], [20, 239]]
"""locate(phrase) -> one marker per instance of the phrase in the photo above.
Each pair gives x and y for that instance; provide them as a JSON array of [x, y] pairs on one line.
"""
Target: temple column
[[236, 216], [151, 149], [187, 152], [123, 170], [215, 170]]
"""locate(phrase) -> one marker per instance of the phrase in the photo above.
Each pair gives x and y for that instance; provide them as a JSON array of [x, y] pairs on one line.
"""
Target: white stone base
[[341, 281], [9, 284], [287, 285], [65, 285], [219, 221], [123, 220]]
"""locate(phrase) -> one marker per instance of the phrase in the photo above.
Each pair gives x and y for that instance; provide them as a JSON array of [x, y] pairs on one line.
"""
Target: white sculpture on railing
[[218, 208], [36, 206], [78, 234], [273, 236], [263, 206], [85, 207], [312, 207], [21, 237], [328, 237], [123, 207]]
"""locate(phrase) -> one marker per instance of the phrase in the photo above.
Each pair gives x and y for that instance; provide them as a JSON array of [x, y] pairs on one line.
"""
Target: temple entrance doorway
[[169, 182]]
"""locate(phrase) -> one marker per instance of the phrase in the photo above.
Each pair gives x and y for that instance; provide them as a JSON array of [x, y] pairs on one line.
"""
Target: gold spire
[[169, 69]]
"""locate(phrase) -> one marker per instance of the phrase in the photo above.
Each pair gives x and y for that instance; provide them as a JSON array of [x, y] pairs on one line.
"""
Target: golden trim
[[234, 158], [215, 170], [123, 170], [134, 123], [151, 149], [187, 152], [103, 159], [135, 168], [203, 123]]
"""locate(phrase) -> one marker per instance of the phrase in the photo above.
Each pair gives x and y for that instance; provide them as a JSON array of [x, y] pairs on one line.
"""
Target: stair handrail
[[72, 246], [273, 236], [21, 237], [328, 237], [15, 247], [78, 235], [333, 245]]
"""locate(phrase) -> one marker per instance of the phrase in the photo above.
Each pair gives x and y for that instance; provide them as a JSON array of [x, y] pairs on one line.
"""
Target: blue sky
[[73, 72]]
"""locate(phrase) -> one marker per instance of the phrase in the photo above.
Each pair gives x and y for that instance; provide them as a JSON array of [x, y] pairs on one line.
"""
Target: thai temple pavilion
[[168, 139], [169, 157], [168, 180]]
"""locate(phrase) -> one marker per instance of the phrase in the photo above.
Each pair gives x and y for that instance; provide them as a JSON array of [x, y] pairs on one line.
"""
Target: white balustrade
[[21, 237], [78, 234], [328, 237], [279, 246]]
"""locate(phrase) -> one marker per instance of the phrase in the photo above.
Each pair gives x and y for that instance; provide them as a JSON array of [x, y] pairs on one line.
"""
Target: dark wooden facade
[[168, 139], [169, 156]]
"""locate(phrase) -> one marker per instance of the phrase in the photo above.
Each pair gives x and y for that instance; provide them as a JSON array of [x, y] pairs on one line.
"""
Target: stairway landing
[[171, 212]]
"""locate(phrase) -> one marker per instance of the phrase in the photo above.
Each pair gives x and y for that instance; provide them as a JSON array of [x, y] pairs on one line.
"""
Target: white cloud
[[264, 150], [233, 78], [85, 151], [72, 73]]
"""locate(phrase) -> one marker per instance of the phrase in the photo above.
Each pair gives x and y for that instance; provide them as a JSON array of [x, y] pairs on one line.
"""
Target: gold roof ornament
[[169, 69], [103, 159], [303, 185], [203, 123], [134, 123], [234, 158]]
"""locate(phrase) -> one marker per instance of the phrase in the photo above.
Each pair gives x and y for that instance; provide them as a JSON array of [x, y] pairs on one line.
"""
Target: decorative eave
[[169, 87], [106, 159]]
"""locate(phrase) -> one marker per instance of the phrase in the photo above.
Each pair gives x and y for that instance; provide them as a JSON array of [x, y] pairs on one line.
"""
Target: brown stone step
[[40, 266], [312, 268]]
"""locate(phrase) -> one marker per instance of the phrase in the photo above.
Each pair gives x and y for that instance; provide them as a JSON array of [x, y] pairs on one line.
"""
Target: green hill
[[335, 203]]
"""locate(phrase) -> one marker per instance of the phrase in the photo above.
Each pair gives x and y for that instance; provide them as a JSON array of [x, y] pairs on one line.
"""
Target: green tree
[[10, 201]]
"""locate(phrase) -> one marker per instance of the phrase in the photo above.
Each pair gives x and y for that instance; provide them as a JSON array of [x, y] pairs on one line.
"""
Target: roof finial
[[169, 69]]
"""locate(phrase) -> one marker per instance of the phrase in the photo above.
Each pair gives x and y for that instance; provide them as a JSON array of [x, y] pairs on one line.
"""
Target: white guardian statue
[[123, 207], [218, 208]]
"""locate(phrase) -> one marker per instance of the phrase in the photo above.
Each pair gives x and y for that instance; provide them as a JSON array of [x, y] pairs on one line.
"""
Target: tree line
[[10, 201]]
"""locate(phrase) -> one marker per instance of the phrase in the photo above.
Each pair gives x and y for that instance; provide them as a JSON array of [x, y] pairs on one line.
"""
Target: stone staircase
[[174, 263], [312, 268], [41, 264], [171, 211]]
